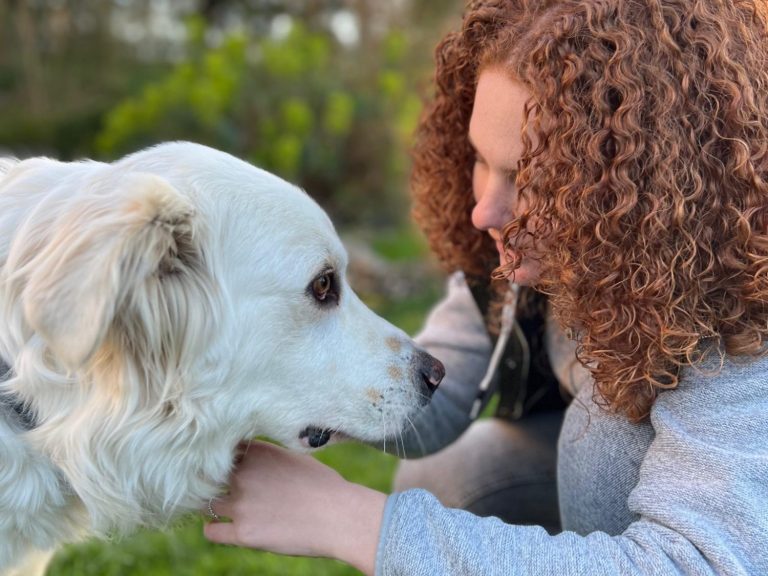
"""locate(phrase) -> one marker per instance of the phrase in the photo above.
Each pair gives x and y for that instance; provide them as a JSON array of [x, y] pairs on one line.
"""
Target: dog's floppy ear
[[102, 248]]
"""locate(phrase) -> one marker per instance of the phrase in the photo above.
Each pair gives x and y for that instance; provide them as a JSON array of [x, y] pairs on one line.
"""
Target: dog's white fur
[[156, 312]]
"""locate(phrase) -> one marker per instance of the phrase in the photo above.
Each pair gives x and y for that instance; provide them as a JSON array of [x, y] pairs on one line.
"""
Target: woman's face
[[495, 133]]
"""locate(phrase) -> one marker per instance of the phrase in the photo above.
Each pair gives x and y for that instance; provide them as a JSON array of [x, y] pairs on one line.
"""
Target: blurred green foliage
[[290, 106], [105, 78]]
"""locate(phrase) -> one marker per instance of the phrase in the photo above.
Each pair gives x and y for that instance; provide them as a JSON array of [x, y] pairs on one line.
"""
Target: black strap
[[526, 381]]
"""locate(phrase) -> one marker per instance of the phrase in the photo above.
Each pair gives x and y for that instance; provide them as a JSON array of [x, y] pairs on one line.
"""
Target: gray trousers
[[496, 468]]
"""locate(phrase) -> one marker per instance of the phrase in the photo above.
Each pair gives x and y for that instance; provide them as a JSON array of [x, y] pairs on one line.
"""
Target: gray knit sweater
[[685, 493]]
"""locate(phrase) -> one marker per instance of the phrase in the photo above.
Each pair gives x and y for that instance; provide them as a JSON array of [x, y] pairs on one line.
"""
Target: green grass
[[182, 551]]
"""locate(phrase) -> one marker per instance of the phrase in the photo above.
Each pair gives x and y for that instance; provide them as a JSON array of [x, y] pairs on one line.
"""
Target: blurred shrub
[[325, 116]]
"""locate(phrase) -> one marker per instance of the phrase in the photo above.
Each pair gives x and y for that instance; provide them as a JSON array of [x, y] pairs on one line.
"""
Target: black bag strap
[[525, 378]]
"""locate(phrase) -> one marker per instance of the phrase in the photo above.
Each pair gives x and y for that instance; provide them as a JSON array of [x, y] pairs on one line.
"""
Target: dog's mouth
[[315, 436]]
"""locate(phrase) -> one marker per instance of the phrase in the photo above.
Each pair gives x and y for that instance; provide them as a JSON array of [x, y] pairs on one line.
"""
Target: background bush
[[324, 93]]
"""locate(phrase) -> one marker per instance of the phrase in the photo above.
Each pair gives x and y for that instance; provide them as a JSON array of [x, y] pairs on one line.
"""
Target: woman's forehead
[[498, 117]]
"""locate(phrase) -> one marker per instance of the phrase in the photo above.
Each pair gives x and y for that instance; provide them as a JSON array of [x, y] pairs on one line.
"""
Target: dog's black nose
[[432, 371]]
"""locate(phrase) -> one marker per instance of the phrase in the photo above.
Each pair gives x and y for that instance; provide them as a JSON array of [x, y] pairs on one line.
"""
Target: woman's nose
[[494, 204]]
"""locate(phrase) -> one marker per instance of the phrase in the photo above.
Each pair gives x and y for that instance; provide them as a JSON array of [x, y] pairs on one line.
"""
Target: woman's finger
[[220, 532]]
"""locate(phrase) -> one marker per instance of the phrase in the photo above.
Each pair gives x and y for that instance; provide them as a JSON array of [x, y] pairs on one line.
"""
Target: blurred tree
[[323, 92], [61, 68]]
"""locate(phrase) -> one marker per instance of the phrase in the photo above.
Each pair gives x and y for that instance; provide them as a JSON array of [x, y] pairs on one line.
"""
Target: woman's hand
[[292, 504]]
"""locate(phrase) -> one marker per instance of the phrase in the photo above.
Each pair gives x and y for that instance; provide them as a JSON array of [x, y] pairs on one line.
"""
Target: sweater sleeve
[[455, 334], [701, 502]]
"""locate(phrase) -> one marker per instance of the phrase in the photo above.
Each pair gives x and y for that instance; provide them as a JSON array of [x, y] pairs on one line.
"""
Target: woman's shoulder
[[720, 375], [723, 402]]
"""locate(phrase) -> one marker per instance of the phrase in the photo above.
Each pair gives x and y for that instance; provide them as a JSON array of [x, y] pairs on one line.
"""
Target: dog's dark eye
[[321, 285], [324, 288]]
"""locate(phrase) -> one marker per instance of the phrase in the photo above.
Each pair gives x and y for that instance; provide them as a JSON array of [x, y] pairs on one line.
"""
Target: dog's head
[[183, 289]]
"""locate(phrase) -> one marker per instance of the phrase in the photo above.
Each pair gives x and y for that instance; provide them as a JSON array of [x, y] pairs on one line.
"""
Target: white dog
[[155, 312]]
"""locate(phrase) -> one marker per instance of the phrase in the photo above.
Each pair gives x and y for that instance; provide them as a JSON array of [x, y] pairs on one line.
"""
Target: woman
[[617, 153]]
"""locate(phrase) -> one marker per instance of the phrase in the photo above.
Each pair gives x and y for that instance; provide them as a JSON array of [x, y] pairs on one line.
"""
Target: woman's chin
[[525, 275]]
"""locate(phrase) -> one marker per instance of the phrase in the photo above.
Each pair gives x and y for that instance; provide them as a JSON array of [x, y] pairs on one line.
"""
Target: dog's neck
[[11, 404]]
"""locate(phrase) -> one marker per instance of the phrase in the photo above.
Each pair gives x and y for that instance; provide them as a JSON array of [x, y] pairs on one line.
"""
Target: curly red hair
[[647, 185]]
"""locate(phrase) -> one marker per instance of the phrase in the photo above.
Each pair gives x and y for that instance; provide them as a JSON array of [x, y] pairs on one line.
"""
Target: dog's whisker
[[384, 431], [416, 434], [398, 445], [401, 449]]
